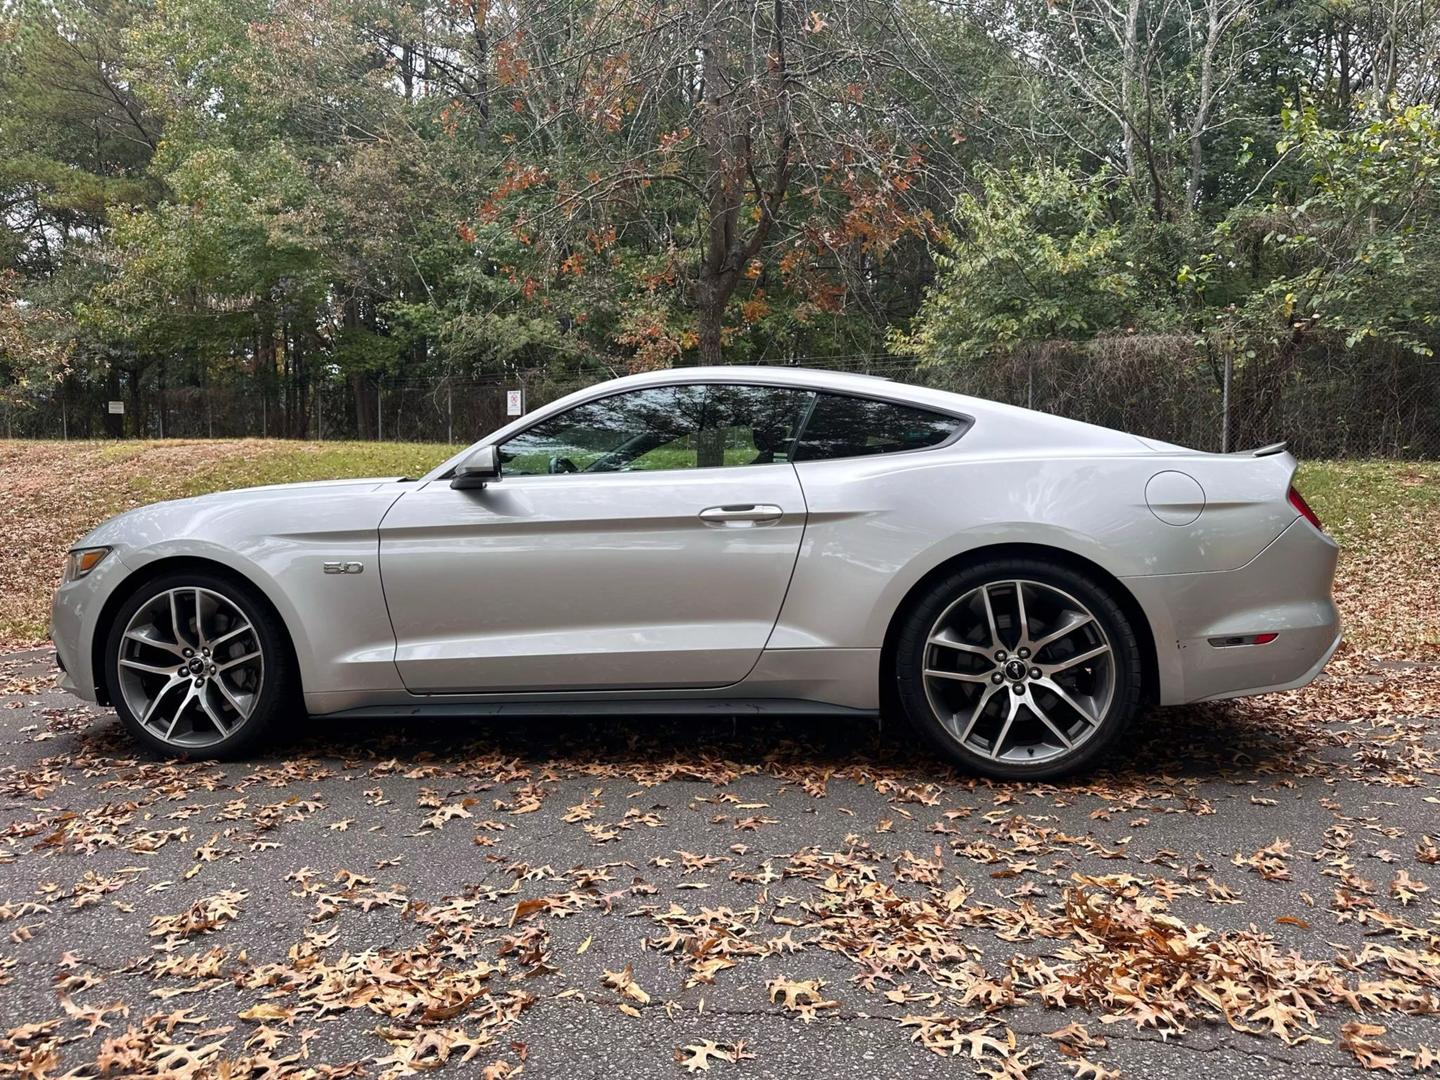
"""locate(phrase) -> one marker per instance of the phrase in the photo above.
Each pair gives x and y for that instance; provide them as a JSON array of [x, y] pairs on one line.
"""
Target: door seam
[[794, 566], [384, 593]]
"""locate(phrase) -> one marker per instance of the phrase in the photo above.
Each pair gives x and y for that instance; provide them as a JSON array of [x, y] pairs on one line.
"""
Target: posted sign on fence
[[514, 402], [117, 408]]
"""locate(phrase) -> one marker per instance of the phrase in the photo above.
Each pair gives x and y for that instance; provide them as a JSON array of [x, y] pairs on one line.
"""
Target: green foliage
[[239, 230], [33, 356], [1351, 247], [1035, 256], [1346, 246], [73, 141], [358, 350], [227, 190]]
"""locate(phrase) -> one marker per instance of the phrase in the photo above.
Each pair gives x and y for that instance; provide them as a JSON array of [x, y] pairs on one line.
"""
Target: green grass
[[1363, 502], [287, 463]]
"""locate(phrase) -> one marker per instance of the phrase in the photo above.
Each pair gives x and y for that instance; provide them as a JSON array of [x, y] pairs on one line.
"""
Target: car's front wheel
[[197, 664], [1018, 668]]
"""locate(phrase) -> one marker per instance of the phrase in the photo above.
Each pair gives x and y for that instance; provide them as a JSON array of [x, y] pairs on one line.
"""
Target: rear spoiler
[[1265, 451]]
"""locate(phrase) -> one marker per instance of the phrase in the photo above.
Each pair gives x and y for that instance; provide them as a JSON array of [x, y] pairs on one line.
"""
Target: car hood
[[369, 483], [283, 508]]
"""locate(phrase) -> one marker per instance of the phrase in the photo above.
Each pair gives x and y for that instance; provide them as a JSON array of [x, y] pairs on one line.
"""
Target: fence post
[[379, 410], [449, 412], [1225, 403]]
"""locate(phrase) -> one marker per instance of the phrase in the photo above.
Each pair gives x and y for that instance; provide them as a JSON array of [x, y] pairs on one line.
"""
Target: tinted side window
[[751, 425], [740, 425], [644, 429], [842, 427], [666, 427]]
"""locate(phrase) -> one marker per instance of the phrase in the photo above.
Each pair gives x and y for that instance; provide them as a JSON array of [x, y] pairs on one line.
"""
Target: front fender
[[279, 541]]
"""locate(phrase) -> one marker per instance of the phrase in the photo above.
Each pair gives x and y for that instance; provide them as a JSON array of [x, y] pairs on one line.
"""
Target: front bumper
[[74, 616], [1285, 590]]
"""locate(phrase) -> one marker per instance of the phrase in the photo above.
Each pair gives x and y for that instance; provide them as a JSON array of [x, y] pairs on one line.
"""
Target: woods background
[[366, 218]]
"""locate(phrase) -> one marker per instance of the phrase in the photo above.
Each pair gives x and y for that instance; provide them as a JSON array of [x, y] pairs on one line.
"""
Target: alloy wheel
[[1019, 672], [191, 667]]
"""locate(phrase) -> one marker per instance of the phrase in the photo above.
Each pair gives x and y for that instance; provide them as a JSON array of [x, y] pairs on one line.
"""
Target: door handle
[[741, 515]]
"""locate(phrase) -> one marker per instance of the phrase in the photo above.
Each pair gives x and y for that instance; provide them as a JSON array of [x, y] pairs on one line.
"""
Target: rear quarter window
[[842, 427]]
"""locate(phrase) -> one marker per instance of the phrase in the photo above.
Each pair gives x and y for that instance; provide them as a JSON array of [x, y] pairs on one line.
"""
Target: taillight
[[1303, 509]]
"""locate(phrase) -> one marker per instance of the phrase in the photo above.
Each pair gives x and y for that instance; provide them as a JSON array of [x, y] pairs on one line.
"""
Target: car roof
[[785, 376], [811, 378], [787, 373]]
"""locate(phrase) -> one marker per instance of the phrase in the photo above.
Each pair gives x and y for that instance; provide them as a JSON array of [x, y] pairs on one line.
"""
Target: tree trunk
[[730, 159], [723, 195], [712, 294], [1202, 106], [1129, 61], [265, 367], [134, 407], [364, 406], [300, 414], [480, 96], [1345, 65]]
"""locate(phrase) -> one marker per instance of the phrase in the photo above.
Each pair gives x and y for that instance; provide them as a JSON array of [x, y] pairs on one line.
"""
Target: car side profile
[[729, 541]]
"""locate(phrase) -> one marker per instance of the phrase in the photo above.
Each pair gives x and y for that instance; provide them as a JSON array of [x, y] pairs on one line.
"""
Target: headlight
[[81, 561]]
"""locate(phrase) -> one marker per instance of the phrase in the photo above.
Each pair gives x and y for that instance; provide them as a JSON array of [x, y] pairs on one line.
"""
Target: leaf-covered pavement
[[1252, 887]]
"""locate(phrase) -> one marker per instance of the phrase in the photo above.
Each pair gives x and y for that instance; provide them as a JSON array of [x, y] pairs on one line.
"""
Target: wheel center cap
[[197, 666], [1015, 670]]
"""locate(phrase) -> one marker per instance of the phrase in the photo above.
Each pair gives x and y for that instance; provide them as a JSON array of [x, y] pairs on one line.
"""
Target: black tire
[[278, 688], [1123, 676]]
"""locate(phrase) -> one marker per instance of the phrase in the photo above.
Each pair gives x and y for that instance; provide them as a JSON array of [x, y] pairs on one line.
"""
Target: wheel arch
[[1144, 632], [157, 568]]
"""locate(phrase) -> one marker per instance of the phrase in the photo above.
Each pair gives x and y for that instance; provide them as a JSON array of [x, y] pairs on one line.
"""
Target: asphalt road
[[797, 894]]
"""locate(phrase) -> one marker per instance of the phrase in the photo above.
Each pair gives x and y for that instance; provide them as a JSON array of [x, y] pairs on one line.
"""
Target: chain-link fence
[[1382, 406]]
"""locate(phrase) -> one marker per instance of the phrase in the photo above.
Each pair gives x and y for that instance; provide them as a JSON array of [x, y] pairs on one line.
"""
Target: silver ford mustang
[[722, 541]]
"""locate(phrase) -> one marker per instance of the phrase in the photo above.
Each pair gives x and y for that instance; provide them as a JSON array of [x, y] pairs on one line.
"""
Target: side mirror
[[480, 468]]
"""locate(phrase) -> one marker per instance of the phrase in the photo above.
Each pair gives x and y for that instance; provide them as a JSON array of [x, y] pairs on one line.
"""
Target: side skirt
[[718, 707]]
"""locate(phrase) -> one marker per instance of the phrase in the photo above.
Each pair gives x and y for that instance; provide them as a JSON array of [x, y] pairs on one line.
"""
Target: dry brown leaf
[[697, 1057], [624, 981]]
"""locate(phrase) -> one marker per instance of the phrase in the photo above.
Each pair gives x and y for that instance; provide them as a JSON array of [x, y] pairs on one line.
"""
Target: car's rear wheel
[[1018, 668], [197, 664]]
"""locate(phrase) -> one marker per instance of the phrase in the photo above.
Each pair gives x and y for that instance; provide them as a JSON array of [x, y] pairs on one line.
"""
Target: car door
[[641, 540]]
